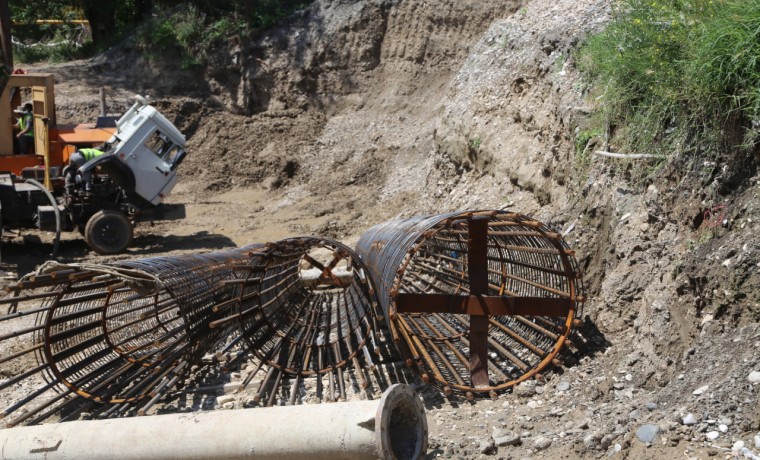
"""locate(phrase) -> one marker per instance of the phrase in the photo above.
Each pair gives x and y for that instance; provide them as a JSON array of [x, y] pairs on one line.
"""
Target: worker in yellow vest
[[76, 160], [25, 126]]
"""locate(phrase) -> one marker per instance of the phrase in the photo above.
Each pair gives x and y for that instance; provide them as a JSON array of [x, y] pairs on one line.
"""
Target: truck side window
[[170, 155], [159, 144]]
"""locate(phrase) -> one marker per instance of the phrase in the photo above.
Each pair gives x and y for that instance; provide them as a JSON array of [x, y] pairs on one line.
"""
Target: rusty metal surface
[[115, 337], [112, 340], [301, 329], [475, 302], [513, 269]]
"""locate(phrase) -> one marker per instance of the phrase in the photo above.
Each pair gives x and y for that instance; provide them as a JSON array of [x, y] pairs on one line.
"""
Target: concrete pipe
[[393, 427]]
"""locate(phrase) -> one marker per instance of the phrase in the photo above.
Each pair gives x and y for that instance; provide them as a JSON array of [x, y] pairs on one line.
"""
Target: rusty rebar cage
[[478, 301], [117, 336], [113, 339], [306, 308]]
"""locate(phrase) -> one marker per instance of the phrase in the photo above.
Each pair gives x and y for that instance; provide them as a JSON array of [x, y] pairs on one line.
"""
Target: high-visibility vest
[[89, 154], [22, 123]]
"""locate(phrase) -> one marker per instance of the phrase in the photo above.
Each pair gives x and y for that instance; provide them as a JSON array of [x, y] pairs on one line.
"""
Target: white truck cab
[[151, 147], [137, 170]]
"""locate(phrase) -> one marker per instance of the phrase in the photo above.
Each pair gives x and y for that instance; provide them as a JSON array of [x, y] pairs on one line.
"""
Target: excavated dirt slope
[[355, 112]]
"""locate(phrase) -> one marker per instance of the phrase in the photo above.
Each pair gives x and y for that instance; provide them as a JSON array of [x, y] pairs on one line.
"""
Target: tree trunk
[[102, 17]]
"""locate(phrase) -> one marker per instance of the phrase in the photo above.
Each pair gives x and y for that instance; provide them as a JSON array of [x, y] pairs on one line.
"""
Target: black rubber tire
[[108, 232]]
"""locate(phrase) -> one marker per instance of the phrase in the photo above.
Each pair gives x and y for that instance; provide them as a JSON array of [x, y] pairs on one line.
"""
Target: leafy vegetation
[[193, 29], [678, 72], [167, 25]]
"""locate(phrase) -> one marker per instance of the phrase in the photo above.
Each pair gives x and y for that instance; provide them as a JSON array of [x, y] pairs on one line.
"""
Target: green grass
[[677, 72]]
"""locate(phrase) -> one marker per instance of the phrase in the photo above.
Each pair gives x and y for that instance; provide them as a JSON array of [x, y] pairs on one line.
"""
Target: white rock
[[700, 390], [757, 442], [712, 435], [754, 377], [648, 433], [689, 419], [542, 443], [738, 445], [706, 319], [723, 428], [563, 385]]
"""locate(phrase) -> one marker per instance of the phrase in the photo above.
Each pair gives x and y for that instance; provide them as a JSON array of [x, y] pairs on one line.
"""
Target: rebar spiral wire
[[423, 270], [111, 338], [307, 309]]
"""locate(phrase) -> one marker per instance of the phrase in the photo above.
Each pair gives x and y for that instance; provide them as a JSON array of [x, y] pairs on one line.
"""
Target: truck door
[[152, 173]]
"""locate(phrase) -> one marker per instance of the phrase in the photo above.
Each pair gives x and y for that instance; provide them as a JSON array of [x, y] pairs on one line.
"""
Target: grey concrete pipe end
[[401, 425]]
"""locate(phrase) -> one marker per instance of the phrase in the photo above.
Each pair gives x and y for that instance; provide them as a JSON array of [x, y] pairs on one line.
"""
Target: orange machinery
[[53, 143]]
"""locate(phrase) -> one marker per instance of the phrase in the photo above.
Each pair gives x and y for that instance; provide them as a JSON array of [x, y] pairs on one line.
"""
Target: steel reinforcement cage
[[111, 340], [477, 301]]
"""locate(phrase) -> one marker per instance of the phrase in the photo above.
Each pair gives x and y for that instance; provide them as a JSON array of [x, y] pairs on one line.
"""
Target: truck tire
[[108, 232]]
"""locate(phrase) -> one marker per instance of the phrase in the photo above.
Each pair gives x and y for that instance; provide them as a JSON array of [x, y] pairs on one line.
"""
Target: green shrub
[[194, 28], [670, 72]]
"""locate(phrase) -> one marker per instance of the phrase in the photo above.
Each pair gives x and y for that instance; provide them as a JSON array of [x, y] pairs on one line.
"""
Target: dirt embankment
[[353, 113]]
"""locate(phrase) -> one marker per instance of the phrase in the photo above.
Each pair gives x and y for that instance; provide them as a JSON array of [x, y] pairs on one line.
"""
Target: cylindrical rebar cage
[[477, 300], [120, 334], [306, 307]]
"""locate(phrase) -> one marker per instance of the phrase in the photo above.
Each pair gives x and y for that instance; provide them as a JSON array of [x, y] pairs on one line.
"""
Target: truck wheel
[[108, 232]]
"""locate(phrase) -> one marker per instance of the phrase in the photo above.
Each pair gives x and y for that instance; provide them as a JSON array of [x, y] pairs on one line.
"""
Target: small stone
[[628, 377], [738, 445], [563, 385], [700, 390], [651, 406], [506, 438], [689, 419], [754, 377], [706, 319], [712, 435], [526, 389], [723, 428], [648, 433], [757, 441], [228, 405], [541, 443], [591, 441], [487, 446]]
